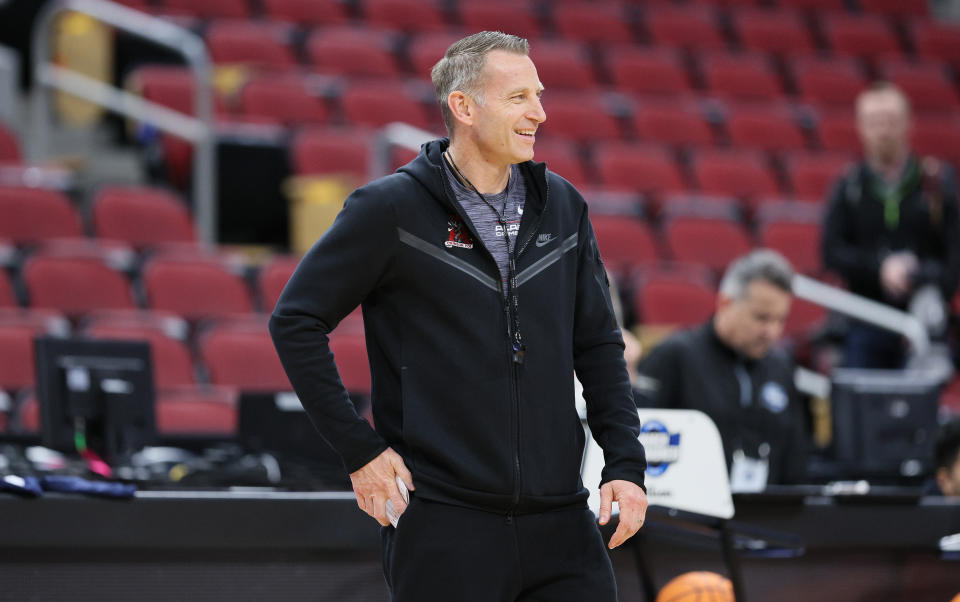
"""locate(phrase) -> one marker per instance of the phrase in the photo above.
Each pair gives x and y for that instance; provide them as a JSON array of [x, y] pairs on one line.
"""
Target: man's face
[[755, 322], [883, 122], [948, 479], [506, 123]]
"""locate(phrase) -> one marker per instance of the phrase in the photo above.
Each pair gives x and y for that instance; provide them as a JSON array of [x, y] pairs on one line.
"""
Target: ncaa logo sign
[[662, 447]]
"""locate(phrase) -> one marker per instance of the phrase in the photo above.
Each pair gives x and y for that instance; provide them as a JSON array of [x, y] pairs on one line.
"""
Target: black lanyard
[[519, 349]]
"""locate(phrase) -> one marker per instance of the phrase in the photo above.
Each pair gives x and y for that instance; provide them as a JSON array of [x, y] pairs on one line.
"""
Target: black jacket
[[857, 236], [695, 369], [474, 427]]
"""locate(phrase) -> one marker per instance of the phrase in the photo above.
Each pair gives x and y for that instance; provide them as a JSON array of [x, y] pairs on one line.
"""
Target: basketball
[[956, 598], [697, 586]]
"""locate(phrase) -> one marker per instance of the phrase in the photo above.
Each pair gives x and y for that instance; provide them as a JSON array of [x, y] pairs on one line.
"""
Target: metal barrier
[[198, 129]]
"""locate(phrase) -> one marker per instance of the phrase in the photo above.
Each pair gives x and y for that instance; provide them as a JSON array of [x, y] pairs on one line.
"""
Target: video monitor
[[277, 424], [885, 421], [95, 392]]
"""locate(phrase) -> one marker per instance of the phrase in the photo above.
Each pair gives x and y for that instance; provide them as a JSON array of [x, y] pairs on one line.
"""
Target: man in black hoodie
[[892, 228], [482, 291]]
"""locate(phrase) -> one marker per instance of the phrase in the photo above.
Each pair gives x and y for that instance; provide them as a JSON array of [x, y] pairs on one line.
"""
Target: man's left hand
[[633, 509]]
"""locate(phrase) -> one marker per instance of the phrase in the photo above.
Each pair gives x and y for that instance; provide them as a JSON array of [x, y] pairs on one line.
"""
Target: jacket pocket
[[458, 432]]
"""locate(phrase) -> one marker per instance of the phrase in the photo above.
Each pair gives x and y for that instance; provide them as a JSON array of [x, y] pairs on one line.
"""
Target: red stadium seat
[[938, 40], [777, 31], [818, 5], [7, 296], [265, 45], [28, 215], [592, 22], [562, 64], [799, 242], [624, 241], [508, 16], [834, 81], [332, 151], [9, 145], [405, 15], [674, 301], [426, 49], [306, 12], [649, 169], [648, 70], [898, 8], [18, 328], [672, 122], [768, 128], [172, 87], [937, 136], [242, 356], [711, 242], [350, 354], [353, 51], [172, 364], [75, 285], [17, 355], [230, 9], [141, 216], [561, 157], [363, 104], [196, 410], [693, 27], [740, 76], [927, 84], [283, 99], [195, 289], [273, 277], [859, 35], [812, 175], [582, 116], [736, 173], [837, 130]]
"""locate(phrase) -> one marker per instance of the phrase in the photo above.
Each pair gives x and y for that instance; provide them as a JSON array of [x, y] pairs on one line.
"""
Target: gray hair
[[462, 65], [759, 264]]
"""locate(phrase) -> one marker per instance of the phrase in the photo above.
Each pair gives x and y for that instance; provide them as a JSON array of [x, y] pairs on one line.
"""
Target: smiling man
[[473, 335], [728, 369]]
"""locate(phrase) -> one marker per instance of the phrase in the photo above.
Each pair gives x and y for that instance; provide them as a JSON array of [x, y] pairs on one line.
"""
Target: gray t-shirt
[[487, 222]]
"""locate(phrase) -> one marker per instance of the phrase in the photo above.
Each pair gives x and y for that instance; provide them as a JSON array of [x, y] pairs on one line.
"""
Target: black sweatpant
[[445, 553]]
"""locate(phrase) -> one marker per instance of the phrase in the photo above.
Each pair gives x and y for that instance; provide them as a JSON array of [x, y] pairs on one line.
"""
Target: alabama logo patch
[[457, 235]]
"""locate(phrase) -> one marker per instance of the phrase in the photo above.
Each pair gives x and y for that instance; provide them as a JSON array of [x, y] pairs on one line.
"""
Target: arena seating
[[717, 126]]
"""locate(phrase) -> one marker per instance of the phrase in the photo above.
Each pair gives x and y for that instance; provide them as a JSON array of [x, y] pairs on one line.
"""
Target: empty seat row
[[570, 64], [610, 22], [701, 241], [139, 216], [233, 352], [313, 12], [194, 286]]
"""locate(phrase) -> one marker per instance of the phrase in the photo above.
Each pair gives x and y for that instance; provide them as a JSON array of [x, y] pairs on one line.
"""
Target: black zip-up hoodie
[[474, 427]]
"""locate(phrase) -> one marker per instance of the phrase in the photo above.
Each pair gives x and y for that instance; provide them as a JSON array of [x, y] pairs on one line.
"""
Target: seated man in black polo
[[728, 368]]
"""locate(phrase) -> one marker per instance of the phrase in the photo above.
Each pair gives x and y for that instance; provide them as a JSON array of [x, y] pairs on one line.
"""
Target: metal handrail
[[198, 129], [863, 309]]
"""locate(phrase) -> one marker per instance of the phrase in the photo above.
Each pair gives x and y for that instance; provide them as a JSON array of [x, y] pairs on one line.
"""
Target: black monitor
[[100, 390], [884, 422], [276, 423]]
